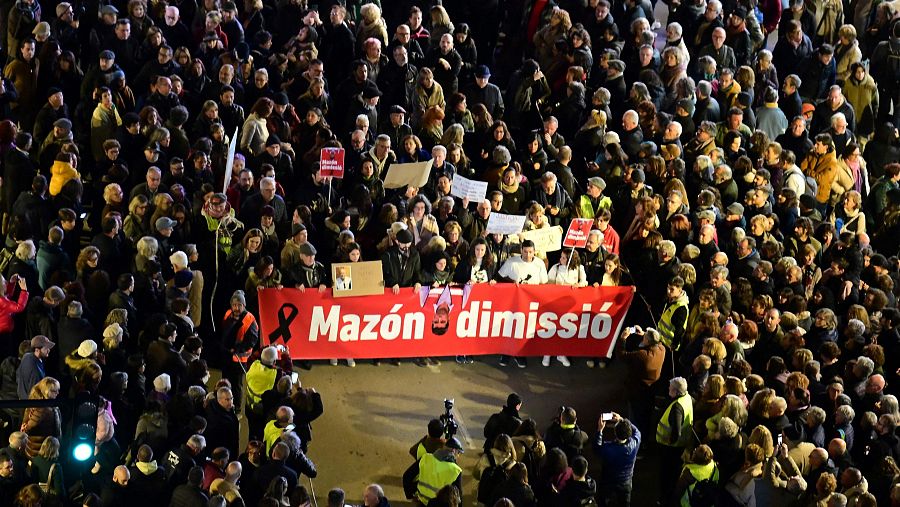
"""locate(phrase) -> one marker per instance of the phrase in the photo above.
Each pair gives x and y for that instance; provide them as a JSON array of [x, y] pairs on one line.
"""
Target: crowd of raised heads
[[739, 159]]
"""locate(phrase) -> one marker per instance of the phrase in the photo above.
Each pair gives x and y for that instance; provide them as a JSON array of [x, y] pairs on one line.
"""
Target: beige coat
[[421, 236], [853, 55], [843, 182]]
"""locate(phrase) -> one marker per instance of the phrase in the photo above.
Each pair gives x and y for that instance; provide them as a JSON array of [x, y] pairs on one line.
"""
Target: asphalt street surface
[[373, 414]]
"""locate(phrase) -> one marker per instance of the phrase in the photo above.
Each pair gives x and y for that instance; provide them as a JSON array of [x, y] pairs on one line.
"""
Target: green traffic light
[[83, 452]]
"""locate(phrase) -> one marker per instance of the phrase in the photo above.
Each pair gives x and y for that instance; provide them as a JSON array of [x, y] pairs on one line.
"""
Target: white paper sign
[[499, 223], [547, 239], [463, 187], [414, 174]]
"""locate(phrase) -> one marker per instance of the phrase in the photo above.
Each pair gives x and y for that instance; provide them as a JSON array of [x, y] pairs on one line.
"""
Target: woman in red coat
[[9, 308]]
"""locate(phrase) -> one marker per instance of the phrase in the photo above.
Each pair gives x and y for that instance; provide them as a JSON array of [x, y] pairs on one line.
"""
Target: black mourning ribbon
[[286, 314]]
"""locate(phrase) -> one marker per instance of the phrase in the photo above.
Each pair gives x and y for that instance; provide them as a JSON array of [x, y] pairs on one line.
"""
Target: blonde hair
[[439, 16], [41, 390], [370, 13], [50, 448], [715, 349], [847, 31], [762, 437], [148, 246], [138, 200]]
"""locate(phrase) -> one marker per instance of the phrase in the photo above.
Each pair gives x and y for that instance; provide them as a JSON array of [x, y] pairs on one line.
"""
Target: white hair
[[838, 117], [179, 260], [26, 250]]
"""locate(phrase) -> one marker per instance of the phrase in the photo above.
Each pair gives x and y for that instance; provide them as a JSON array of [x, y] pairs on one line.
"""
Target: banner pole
[[329, 192], [569, 260]]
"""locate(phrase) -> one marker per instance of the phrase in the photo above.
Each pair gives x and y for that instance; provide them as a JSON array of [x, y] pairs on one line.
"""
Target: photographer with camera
[[644, 354], [506, 421], [565, 434], [618, 452]]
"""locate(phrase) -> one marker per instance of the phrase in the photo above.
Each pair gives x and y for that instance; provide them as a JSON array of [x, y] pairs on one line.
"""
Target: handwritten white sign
[[464, 188], [505, 224]]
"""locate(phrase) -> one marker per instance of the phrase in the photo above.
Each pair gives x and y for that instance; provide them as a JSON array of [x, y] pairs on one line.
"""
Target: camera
[[447, 420]]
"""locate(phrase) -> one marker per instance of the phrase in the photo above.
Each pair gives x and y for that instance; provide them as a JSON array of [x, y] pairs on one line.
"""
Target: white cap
[[87, 348], [162, 383]]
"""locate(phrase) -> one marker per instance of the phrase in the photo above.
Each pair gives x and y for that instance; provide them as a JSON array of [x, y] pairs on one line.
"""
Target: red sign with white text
[[331, 162], [517, 320], [577, 235]]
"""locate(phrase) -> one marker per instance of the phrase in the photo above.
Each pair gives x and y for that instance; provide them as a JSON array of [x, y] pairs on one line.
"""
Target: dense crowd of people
[[749, 191]]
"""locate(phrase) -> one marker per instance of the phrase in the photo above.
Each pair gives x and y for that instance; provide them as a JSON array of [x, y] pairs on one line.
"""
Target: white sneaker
[[590, 363], [351, 363], [564, 360], [545, 361], [333, 362]]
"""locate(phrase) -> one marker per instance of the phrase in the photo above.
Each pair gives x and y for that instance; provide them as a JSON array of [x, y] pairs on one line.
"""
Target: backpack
[[6, 255], [705, 493], [492, 477], [531, 461], [892, 68], [811, 187]]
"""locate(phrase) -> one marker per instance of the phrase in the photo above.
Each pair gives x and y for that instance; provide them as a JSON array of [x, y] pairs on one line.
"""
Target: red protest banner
[[577, 235], [523, 320], [331, 162]]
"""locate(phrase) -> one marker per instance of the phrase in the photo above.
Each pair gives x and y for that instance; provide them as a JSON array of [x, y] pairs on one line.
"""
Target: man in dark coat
[[222, 423], [506, 421], [54, 109], [117, 492], [73, 327], [565, 434], [147, 486], [445, 61], [485, 92], [401, 263], [277, 467], [18, 170], [190, 494], [163, 358], [337, 45], [397, 80], [182, 460]]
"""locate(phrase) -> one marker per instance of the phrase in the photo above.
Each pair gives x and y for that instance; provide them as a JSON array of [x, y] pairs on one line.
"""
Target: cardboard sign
[[463, 187], [331, 162], [578, 233], [498, 223], [414, 174], [357, 279]]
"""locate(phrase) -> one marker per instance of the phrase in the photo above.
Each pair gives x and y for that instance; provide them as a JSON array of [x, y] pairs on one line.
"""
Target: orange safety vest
[[246, 322]]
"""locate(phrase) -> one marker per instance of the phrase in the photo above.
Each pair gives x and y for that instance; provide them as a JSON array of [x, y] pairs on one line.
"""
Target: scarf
[[509, 189], [857, 176], [312, 276]]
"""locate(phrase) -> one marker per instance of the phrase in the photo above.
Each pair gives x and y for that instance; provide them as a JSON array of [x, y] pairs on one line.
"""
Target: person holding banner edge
[[526, 269]]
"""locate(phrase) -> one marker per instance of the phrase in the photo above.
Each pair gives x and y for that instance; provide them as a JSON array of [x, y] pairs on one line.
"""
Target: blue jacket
[[618, 458], [30, 372]]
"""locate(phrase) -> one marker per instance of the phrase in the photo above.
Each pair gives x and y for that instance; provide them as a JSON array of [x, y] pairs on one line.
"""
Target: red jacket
[[8, 308]]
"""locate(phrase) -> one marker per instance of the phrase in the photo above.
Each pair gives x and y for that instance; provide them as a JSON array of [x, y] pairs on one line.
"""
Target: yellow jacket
[[61, 173]]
